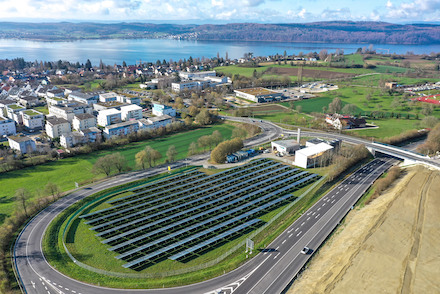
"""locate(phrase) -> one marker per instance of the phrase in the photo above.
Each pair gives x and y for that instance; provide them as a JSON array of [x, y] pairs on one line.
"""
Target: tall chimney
[[298, 137]]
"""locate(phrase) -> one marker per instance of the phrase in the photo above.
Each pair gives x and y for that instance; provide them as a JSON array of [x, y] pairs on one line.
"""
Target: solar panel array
[[183, 216]]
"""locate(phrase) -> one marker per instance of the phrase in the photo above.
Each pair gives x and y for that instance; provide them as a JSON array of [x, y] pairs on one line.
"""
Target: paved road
[[268, 271]]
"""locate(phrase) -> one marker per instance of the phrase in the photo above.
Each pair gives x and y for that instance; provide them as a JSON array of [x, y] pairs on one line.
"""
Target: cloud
[[336, 14], [418, 9]]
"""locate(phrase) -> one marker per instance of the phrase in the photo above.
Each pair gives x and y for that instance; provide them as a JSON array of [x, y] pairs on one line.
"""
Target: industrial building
[[258, 95], [285, 146], [310, 156]]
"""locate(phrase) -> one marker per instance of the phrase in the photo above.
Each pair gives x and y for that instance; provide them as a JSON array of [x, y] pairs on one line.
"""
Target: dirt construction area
[[309, 73], [391, 245]]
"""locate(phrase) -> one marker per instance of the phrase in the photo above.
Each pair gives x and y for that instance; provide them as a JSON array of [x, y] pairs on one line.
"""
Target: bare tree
[[53, 190], [22, 196], [171, 153]]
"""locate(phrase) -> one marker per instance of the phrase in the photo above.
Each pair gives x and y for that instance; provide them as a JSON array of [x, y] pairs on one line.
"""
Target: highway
[[269, 272]]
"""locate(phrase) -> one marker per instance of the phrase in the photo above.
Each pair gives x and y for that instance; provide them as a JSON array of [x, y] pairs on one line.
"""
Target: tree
[[349, 109], [88, 64], [335, 106], [155, 156], [299, 108], [22, 195], [217, 137], [118, 161], [52, 189], [238, 133], [204, 141], [192, 149], [171, 153], [103, 165], [218, 155], [142, 158], [427, 109], [204, 117]]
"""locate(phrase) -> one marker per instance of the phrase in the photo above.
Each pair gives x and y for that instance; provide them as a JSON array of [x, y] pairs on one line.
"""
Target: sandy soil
[[390, 246]]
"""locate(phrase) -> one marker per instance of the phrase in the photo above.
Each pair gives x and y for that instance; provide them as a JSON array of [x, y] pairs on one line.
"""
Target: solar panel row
[[130, 209]]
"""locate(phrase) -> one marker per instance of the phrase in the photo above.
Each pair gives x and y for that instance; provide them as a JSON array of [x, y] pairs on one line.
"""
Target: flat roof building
[[258, 94], [310, 156], [285, 146]]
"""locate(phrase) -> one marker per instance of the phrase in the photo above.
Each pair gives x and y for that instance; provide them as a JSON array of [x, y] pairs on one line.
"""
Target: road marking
[[275, 257], [323, 204], [299, 233], [314, 213], [333, 201], [336, 194], [303, 223], [317, 215], [33, 284], [318, 208], [308, 218], [290, 235], [277, 248], [296, 229], [283, 241]]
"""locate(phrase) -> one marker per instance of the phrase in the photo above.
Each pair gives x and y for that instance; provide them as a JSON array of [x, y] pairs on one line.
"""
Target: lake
[[132, 50]]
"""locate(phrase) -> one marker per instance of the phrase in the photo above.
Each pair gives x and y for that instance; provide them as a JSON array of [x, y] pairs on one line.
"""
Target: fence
[[183, 270]]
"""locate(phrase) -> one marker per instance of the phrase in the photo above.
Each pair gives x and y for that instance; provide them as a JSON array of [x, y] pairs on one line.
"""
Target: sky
[[221, 11]]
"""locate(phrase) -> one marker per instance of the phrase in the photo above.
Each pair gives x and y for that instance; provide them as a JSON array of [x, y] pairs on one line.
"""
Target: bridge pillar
[[372, 151]]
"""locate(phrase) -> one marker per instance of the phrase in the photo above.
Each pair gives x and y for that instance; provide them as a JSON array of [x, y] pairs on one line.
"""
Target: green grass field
[[67, 171]]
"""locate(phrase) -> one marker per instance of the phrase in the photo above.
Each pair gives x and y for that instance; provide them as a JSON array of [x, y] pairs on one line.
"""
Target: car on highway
[[305, 250]]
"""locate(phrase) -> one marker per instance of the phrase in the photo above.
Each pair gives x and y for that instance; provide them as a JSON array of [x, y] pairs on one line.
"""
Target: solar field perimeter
[[183, 216]]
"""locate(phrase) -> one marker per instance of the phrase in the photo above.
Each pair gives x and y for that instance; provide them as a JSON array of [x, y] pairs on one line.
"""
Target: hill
[[320, 32]]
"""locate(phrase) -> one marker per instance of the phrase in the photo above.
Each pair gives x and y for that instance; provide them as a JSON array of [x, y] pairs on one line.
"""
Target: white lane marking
[[317, 215], [299, 233], [302, 223], [33, 284], [314, 213], [333, 196], [318, 208], [308, 218], [283, 241], [333, 201], [277, 248], [296, 229], [336, 193], [275, 257], [323, 204], [290, 235]]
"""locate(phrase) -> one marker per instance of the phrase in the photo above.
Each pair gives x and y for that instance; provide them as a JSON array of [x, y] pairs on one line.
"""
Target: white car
[[305, 250]]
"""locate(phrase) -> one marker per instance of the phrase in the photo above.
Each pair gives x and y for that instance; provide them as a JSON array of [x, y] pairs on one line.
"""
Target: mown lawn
[[387, 128], [66, 172]]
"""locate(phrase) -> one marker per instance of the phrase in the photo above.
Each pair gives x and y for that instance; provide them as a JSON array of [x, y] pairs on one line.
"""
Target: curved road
[[268, 272]]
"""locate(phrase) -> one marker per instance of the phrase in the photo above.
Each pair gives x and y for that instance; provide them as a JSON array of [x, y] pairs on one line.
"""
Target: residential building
[[108, 97], [131, 112], [160, 121], [33, 120], [341, 122], [258, 94], [108, 105], [55, 127], [186, 85], [55, 93], [23, 144], [68, 110], [55, 100], [109, 117], [129, 100], [29, 101], [87, 98], [85, 136], [14, 112], [159, 110], [121, 129], [83, 121], [7, 127], [3, 104]]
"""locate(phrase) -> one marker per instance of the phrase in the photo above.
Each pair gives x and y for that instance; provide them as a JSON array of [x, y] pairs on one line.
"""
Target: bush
[[218, 155]]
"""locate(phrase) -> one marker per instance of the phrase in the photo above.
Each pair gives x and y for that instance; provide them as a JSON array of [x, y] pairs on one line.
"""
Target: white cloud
[[389, 4], [418, 9], [302, 13]]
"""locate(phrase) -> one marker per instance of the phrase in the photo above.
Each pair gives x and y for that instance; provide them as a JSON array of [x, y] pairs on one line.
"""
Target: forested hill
[[325, 32]]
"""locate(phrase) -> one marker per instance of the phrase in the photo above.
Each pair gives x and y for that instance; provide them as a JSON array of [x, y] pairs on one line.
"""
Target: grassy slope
[[77, 169]]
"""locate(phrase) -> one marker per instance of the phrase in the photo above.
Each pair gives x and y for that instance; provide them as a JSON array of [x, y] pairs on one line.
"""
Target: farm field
[[66, 172], [391, 243], [245, 184]]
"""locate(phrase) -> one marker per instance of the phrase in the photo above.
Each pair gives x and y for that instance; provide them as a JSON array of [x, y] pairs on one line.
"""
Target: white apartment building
[[14, 112], [83, 121], [7, 126], [69, 110], [120, 129], [131, 112], [108, 97], [109, 117], [33, 120], [55, 127], [159, 110], [22, 144], [200, 75], [87, 98]]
